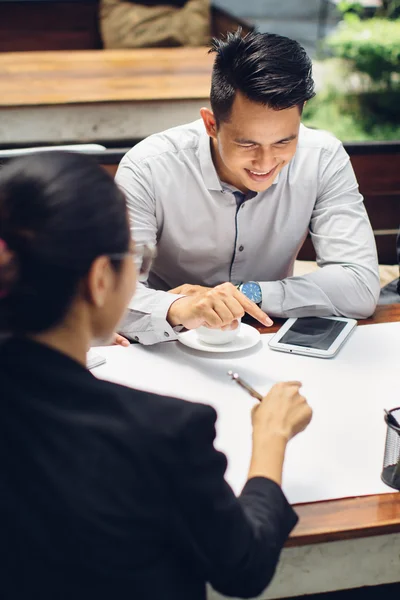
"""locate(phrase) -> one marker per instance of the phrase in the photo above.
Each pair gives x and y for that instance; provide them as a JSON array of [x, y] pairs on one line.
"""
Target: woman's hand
[[281, 415], [283, 411]]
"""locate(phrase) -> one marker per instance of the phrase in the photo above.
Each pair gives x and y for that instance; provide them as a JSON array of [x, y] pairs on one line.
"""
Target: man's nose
[[264, 160]]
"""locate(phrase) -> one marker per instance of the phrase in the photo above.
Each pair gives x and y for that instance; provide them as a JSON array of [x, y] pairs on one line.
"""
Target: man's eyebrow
[[245, 141], [289, 138]]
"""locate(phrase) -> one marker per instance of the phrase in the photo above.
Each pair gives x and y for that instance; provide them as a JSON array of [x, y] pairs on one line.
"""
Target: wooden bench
[[27, 25], [99, 95]]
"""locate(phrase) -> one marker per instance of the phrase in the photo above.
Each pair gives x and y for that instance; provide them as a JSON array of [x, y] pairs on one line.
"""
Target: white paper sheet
[[341, 452]]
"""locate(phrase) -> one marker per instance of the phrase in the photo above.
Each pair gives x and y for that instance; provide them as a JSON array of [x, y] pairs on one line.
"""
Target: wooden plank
[[47, 78], [345, 519], [383, 208], [377, 172], [27, 26]]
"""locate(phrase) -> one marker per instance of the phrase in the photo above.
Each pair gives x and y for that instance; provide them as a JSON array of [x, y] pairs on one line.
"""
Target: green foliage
[[343, 116], [346, 7], [388, 8], [372, 46], [362, 101]]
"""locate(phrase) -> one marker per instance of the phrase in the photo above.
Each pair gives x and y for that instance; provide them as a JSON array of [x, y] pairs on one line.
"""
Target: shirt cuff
[[272, 297], [150, 326], [162, 329]]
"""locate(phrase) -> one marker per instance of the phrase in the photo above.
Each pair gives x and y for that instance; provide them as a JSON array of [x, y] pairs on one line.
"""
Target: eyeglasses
[[144, 254]]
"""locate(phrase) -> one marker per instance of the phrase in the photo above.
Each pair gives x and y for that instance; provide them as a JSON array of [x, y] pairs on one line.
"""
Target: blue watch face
[[252, 291]]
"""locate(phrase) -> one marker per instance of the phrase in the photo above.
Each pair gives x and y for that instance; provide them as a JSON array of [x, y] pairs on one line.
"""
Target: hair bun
[[8, 269]]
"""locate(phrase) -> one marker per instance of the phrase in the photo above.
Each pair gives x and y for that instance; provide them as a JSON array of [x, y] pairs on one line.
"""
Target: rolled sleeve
[[146, 319]]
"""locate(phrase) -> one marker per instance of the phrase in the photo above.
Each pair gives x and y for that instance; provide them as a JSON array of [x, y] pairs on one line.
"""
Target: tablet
[[313, 336]]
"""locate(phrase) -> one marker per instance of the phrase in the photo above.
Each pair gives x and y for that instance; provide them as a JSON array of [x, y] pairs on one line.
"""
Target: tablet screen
[[313, 332]]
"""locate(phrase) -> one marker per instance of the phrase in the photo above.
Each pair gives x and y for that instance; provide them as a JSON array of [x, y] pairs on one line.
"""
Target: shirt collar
[[275, 181], [208, 170], [231, 188]]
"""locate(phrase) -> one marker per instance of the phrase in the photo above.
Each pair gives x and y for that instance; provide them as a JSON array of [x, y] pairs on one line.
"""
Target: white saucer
[[246, 338]]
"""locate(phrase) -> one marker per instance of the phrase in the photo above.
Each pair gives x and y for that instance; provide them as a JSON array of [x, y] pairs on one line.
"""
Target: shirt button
[[241, 248], [136, 338], [243, 205], [166, 334]]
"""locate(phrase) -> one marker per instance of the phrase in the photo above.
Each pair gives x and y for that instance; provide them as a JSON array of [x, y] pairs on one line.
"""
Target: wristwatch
[[252, 291]]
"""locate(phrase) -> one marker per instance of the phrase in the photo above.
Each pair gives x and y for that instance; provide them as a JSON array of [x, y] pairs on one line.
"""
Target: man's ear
[[99, 281], [209, 121]]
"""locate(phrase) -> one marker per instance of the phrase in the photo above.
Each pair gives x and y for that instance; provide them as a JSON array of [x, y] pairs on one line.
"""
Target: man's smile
[[259, 176]]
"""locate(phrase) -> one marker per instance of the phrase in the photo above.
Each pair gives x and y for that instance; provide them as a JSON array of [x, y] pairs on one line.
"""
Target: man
[[230, 199], [150, 23]]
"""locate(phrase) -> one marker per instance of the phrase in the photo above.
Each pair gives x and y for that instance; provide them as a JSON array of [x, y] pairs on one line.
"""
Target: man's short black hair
[[266, 68]]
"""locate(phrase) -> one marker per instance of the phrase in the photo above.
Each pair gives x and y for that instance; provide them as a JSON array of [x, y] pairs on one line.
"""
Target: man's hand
[[119, 340], [217, 308], [189, 290]]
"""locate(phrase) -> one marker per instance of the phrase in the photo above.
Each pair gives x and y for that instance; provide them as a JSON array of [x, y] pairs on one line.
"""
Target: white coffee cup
[[217, 337]]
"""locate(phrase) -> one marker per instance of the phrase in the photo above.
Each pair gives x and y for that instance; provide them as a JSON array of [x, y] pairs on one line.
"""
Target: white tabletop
[[339, 455]]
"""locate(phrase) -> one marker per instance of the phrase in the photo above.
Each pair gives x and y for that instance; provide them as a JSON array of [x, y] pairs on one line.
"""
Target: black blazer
[[110, 493], [398, 260]]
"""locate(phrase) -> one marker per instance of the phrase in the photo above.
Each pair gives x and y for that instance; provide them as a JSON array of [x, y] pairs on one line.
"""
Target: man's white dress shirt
[[203, 236]]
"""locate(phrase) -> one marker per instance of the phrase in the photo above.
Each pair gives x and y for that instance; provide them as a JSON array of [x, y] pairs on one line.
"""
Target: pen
[[245, 385], [391, 419]]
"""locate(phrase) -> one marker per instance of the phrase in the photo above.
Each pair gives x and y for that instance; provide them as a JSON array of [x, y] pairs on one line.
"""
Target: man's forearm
[[332, 290]]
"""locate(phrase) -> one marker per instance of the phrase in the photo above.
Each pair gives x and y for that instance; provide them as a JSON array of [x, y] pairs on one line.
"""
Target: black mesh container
[[391, 460]]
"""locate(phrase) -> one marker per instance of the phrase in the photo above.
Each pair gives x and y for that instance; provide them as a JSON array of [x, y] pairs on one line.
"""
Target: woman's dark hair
[[266, 68], [59, 211]]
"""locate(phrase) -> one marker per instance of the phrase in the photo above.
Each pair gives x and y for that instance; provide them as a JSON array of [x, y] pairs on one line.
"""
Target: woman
[[109, 492]]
